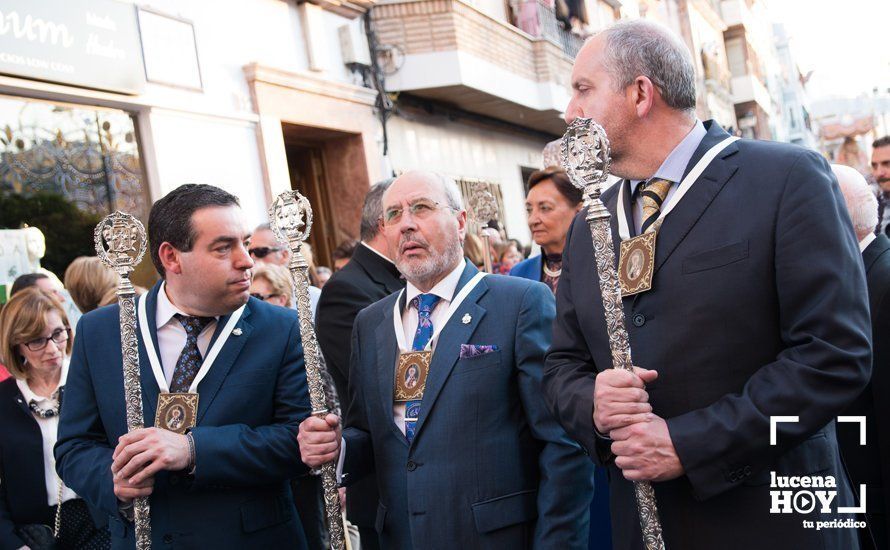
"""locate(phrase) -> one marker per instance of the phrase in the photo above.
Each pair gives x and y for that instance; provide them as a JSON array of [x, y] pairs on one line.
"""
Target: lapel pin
[[466, 319], [237, 332]]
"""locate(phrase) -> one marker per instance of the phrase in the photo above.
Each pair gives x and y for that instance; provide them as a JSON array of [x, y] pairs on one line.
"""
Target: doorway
[[328, 168]]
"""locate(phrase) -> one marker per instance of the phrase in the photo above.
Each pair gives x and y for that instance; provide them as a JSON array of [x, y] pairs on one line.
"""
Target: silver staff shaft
[[299, 271], [291, 220], [126, 299], [610, 289], [585, 153], [120, 244]]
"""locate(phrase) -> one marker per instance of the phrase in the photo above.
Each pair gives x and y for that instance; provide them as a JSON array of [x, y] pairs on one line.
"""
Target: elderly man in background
[[870, 464], [468, 456]]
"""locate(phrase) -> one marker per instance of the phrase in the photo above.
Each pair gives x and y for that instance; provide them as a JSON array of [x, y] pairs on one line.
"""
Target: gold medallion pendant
[[177, 412], [636, 264], [411, 373]]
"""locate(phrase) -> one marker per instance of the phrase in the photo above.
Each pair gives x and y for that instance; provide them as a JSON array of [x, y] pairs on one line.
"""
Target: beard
[[419, 272]]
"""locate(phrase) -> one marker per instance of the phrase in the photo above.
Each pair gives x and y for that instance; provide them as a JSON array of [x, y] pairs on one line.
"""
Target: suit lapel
[[685, 214], [211, 383], [447, 351], [387, 349], [150, 389]]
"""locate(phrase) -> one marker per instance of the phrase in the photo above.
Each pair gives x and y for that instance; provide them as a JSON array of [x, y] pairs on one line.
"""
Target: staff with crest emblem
[[291, 221]]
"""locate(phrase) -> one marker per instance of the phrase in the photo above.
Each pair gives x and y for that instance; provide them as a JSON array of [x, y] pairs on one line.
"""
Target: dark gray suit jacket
[[870, 464], [489, 466], [758, 308]]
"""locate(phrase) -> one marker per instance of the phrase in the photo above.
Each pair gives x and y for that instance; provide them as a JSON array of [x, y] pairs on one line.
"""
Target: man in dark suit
[[222, 484], [370, 276], [474, 461], [757, 309], [869, 464]]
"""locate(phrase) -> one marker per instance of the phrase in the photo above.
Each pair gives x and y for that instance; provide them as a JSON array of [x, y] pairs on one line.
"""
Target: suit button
[[747, 471], [168, 539], [639, 320], [412, 465]]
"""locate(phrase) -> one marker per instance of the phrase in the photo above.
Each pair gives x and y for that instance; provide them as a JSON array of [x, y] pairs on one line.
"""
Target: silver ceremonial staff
[[120, 244], [291, 221], [586, 158], [483, 208]]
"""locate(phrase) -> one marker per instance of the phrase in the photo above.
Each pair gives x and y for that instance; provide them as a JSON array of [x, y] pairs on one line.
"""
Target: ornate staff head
[[483, 205], [290, 216], [586, 156], [120, 242]]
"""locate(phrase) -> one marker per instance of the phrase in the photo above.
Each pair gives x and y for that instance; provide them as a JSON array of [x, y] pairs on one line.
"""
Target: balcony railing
[[546, 25]]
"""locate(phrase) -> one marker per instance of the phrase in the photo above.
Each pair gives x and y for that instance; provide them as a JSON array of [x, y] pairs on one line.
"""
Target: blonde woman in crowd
[[272, 283], [90, 283]]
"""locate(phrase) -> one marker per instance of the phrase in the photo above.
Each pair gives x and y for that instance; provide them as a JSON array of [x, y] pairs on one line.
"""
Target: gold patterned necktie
[[652, 194]]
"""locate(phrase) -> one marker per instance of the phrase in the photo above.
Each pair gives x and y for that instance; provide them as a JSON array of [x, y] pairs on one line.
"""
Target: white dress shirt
[[375, 251], [445, 290], [863, 244], [49, 430], [172, 335]]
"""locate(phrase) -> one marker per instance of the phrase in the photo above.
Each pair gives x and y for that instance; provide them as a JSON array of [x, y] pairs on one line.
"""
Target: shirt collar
[[372, 249], [31, 396], [863, 244], [675, 164], [445, 288], [165, 309]]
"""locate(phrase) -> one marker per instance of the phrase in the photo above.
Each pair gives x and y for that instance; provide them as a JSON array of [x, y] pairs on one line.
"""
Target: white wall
[[460, 150], [210, 136], [200, 149]]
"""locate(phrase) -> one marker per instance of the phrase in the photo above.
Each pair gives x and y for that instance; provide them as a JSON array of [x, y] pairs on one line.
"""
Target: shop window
[[62, 168]]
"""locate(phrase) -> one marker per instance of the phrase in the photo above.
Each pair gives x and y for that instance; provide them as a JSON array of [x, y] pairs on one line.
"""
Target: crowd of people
[[477, 410]]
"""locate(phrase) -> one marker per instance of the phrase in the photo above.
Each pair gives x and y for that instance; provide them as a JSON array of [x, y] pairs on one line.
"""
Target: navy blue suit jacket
[[758, 308], [489, 466], [250, 407]]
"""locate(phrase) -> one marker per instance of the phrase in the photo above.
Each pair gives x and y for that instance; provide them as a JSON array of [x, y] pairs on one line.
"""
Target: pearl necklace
[[550, 273]]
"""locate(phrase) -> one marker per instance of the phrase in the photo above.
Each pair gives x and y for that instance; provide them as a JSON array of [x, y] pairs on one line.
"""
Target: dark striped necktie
[[652, 195], [190, 359]]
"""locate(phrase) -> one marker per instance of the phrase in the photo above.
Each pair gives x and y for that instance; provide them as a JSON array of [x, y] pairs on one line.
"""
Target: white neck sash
[[455, 303], [152, 353], [685, 186]]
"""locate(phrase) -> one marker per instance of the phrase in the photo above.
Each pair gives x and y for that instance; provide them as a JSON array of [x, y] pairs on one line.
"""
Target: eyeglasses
[[59, 336], [263, 251], [262, 297], [420, 209]]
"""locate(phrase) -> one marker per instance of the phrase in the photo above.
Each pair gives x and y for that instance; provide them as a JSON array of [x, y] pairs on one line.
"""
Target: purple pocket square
[[472, 350]]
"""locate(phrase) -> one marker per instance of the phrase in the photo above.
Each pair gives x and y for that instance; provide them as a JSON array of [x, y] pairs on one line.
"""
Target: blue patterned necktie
[[425, 303], [190, 359]]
